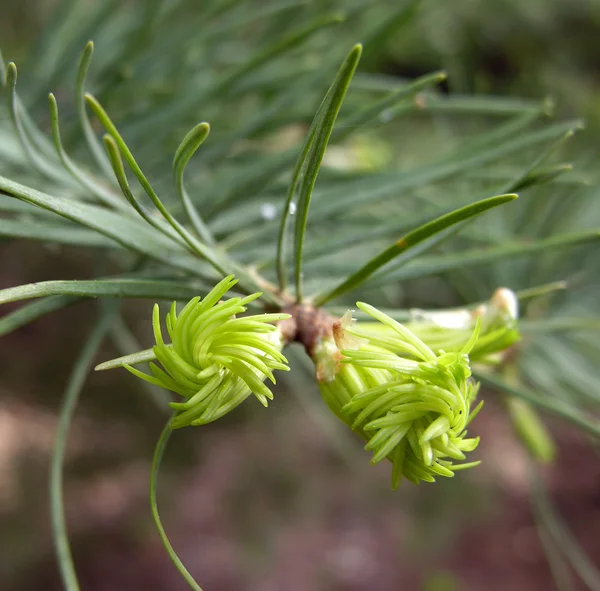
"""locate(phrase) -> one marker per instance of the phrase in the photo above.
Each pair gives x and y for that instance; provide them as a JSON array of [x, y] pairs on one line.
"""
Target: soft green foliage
[[308, 165], [436, 227], [218, 201]]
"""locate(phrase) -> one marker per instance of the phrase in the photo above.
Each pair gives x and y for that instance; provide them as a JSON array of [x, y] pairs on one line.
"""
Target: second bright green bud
[[410, 404]]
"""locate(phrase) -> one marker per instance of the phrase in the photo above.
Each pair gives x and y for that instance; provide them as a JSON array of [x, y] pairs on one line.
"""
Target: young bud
[[412, 405], [215, 360]]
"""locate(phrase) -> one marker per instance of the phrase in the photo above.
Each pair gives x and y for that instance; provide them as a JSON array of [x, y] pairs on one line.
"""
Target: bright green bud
[[215, 360], [412, 405]]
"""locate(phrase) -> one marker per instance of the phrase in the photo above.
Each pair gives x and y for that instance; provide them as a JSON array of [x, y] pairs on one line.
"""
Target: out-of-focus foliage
[[526, 48]]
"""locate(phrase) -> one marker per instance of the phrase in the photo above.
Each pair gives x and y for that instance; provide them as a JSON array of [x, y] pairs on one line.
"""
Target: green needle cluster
[[215, 360], [410, 404]]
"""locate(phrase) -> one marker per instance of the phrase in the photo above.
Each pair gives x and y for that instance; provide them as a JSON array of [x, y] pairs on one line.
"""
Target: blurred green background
[[285, 499]]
